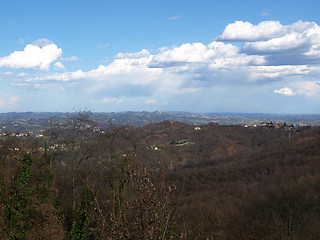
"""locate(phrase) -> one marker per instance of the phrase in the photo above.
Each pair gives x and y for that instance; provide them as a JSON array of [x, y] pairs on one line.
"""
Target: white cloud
[[246, 32], [8, 73], [175, 17], [32, 57], [111, 100], [193, 67], [215, 54], [279, 72], [285, 92], [22, 74], [121, 77], [295, 44], [142, 54], [151, 101], [281, 44], [184, 69], [308, 88], [59, 66]]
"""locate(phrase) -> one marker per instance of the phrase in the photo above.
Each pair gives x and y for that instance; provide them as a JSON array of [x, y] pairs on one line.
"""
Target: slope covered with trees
[[166, 180]]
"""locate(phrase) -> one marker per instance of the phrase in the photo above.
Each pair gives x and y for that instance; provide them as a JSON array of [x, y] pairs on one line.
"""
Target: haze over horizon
[[204, 56]]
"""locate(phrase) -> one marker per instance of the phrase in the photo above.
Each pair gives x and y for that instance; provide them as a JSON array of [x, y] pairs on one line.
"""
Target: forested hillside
[[167, 180]]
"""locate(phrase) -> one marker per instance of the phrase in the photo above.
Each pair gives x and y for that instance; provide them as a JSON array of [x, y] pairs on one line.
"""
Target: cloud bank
[[295, 44], [271, 53]]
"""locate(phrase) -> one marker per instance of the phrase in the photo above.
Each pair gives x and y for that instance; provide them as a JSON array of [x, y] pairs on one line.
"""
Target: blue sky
[[196, 56]]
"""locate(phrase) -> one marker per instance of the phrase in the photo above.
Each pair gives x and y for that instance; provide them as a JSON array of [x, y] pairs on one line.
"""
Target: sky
[[145, 55]]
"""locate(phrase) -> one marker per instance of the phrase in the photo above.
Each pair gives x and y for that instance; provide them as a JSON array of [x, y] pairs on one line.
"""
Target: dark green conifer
[[82, 222], [18, 205]]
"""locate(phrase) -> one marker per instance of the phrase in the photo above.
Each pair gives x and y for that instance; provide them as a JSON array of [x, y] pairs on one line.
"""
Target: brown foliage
[[226, 182]]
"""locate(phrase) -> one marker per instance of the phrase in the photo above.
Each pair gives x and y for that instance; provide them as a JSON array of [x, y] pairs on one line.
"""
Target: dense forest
[[165, 180]]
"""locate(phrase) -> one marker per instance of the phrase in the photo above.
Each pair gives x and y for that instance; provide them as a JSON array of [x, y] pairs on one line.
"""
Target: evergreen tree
[[82, 222], [27, 207], [17, 205]]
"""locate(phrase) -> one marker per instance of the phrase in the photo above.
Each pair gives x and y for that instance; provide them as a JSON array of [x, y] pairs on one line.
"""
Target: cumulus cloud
[[215, 55], [142, 54], [37, 56], [59, 66], [307, 88], [270, 53], [295, 44], [178, 70], [115, 78], [240, 31], [285, 92]]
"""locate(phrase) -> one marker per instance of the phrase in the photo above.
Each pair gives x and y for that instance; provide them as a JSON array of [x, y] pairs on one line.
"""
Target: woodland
[[165, 180]]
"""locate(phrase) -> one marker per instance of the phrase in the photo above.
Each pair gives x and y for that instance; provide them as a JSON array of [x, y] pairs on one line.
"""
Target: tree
[[82, 222], [75, 142], [17, 202], [28, 209]]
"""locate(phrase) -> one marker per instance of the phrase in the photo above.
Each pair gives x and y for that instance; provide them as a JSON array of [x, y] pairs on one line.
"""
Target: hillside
[[164, 180], [242, 183]]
